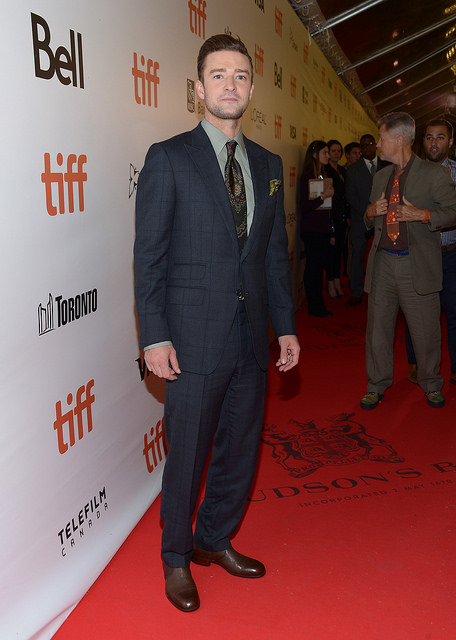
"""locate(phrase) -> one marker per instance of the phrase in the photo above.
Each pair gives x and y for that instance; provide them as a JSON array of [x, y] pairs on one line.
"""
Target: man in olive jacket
[[404, 267]]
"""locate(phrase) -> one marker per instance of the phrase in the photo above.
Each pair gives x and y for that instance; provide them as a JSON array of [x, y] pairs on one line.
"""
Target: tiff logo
[[259, 60], [48, 178], [305, 136], [198, 17], [260, 4], [144, 79], [83, 405], [305, 53], [278, 21], [292, 132], [48, 63], [277, 126], [292, 176], [156, 448], [293, 84]]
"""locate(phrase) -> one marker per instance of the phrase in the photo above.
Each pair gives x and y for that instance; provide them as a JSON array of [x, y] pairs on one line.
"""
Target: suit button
[[240, 294]]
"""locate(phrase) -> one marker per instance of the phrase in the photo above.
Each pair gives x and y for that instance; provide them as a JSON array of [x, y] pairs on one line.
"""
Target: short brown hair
[[440, 122], [221, 42]]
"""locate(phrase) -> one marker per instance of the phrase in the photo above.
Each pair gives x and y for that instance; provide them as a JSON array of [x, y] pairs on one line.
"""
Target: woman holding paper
[[339, 216], [317, 230]]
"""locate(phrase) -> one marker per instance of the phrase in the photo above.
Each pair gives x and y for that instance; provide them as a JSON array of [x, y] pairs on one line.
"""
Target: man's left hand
[[407, 212], [289, 352]]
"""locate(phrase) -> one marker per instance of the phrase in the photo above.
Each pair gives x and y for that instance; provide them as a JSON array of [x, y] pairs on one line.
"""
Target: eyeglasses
[[367, 144]]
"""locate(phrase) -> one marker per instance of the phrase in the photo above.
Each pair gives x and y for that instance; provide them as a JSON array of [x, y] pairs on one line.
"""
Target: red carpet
[[353, 513]]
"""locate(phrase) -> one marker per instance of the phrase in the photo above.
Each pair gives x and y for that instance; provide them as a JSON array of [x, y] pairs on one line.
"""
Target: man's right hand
[[377, 208], [162, 361]]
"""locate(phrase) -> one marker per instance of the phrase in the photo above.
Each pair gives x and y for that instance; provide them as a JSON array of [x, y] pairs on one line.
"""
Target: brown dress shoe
[[412, 374], [232, 561], [353, 301], [180, 588]]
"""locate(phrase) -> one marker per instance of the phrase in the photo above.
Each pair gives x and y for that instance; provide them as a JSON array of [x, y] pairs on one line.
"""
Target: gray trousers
[[392, 288]]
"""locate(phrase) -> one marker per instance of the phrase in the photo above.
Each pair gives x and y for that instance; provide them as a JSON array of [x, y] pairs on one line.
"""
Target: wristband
[[426, 216]]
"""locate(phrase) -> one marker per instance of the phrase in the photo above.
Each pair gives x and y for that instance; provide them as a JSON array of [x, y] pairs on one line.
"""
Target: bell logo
[[277, 75], [84, 401], [63, 60], [198, 17], [48, 178]]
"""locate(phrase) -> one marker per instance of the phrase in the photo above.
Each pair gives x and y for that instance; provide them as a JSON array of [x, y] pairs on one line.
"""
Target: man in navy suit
[[204, 302]]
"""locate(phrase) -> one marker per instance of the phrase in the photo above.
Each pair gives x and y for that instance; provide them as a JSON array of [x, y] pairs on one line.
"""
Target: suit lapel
[[205, 160], [203, 156], [259, 174]]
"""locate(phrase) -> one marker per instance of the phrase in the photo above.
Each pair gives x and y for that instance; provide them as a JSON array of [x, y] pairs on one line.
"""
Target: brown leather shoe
[[412, 374], [180, 588], [232, 561], [353, 301], [453, 377]]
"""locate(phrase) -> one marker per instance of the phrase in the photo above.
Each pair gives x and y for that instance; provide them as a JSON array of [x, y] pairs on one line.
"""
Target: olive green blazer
[[428, 186]]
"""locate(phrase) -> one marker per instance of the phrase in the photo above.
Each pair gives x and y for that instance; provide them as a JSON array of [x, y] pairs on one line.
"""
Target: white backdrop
[[86, 87]]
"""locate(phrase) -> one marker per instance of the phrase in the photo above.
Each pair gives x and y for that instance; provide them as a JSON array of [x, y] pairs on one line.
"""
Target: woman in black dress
[[316, 227]]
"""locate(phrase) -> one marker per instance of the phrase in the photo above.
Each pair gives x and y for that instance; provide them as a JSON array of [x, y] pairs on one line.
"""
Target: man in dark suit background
[[358, 186], [204, 299]]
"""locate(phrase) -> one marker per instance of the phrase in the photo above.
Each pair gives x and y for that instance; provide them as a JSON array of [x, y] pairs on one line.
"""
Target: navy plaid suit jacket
[[187, 262]]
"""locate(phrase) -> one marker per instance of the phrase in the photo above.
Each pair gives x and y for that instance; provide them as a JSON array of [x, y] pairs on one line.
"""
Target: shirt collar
[[219, 139]]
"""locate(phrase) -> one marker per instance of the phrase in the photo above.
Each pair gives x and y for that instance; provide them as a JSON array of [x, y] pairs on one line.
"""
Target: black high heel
[[336, 297]]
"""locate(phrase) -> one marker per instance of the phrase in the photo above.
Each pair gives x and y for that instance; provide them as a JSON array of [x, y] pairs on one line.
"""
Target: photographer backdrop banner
[[86, 88]]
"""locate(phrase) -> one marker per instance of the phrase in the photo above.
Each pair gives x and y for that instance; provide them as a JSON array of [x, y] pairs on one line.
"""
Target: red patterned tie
[[234, 181], [392, 224]]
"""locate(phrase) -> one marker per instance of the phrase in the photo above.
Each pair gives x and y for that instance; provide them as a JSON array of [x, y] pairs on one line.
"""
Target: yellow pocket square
[[274, 186]]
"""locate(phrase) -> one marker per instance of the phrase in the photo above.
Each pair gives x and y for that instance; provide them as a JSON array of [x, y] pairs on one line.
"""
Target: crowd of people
[[408, 207]]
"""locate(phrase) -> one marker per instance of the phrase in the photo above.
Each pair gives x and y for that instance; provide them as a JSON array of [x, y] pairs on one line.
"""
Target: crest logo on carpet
[[302, 447]]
